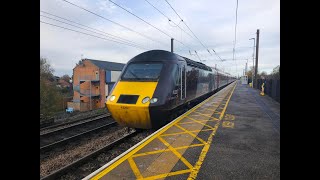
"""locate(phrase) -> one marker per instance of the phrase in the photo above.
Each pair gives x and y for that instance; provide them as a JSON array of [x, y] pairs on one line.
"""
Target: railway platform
[[234, 134]]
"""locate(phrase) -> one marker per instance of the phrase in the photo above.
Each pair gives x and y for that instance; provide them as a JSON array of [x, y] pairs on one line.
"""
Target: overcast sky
[[212, 21]]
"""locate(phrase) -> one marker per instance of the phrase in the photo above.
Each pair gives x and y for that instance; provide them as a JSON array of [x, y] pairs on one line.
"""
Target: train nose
[[127, 113], [129, 103]]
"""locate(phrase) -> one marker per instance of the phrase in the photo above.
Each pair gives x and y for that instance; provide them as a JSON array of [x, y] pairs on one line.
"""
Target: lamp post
[[246, 67], [254, 44]]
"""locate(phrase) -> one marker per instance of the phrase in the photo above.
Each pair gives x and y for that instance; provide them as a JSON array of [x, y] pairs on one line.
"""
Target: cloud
[[212, 21]]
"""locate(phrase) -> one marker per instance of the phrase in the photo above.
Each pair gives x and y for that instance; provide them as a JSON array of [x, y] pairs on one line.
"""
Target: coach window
[[177, 75]]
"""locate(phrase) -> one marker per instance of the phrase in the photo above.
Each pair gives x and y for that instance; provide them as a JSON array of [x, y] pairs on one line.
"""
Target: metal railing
[[88, 78]]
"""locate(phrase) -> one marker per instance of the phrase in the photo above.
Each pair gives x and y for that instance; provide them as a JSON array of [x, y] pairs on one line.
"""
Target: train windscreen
[[142, 71]]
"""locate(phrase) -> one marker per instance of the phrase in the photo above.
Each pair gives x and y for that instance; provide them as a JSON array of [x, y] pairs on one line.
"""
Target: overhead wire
[[94, 32], [191, 30], [148, 23], [112, 21], [177, 25], [113, 36], [88, 34]]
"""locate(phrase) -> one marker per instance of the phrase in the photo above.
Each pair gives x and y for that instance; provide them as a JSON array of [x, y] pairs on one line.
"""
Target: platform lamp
[[254, 44]]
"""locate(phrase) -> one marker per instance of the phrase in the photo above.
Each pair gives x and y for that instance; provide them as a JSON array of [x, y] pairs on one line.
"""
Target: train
[[155, 85]]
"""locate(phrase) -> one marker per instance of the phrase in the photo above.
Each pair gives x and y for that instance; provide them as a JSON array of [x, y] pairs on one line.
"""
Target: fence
[[271, 88]]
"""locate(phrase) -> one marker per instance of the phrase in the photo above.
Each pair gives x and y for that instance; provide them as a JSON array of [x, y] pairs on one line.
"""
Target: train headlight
[[112, 97], [153, 100], [145, 100]]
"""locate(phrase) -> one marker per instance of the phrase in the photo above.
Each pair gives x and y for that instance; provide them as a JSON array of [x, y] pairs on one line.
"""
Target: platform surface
[[234, 134]]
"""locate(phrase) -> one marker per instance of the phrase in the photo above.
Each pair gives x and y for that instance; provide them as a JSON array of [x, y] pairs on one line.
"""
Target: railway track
[[77, 169], [58, 126], [59, 137]]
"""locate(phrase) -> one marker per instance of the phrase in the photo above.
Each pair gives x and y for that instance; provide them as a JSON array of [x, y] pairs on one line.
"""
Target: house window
[[97, 75]]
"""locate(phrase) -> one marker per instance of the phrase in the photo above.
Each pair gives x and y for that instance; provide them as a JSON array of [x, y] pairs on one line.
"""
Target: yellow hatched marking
[[210, 118], [196, 168], [221, 108], [191, 134], [207, 109], [132, 152], [216, 105], [203, 114], [168, 174], [134, 168], [187, 123], [201, 123], [184, 132], [206, 112], [166, 150], [125, 157], [176, 153]]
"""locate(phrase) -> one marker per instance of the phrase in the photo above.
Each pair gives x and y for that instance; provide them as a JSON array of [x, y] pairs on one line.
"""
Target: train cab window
[[142, 71]]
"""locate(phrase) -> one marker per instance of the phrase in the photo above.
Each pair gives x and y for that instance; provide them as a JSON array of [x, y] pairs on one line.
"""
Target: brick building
[[92, 81]]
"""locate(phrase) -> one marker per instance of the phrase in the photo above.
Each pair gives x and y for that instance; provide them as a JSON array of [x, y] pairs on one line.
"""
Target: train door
[[183, 74], [210, 82], [217, 80]]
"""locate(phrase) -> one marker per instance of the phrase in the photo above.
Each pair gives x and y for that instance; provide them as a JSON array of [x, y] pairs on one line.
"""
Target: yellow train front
[[156, 84]]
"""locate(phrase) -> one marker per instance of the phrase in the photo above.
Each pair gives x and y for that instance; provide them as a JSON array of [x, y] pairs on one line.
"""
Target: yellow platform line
[[166, 150], [186, 162], [184, 132], [193, 135], [168, 174], [201, 123], [196, 168], [134, 168]]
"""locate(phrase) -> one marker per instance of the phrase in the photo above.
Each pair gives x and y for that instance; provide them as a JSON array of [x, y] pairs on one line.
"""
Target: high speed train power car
[[155, 84]]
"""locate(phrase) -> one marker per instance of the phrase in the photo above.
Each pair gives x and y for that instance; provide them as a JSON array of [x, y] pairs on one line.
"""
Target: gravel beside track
[[55, 161]]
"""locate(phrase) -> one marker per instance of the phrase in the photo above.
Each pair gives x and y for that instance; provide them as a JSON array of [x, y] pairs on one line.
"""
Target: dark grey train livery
[[157, 84]]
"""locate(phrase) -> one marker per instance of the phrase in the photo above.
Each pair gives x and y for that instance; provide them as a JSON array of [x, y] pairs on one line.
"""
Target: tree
[[46, 71], [261, 75], [50, 97], [249, 73], [66, 78], [275, 73], [66, 87]]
